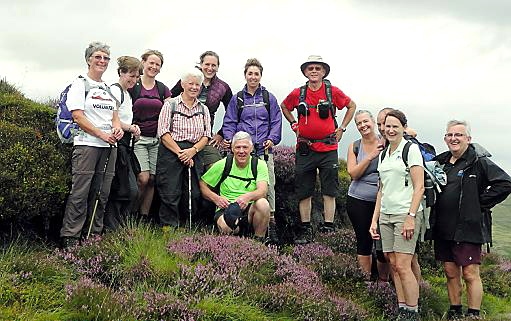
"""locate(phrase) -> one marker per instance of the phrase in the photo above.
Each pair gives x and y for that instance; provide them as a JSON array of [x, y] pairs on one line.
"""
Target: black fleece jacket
[[483, 185]]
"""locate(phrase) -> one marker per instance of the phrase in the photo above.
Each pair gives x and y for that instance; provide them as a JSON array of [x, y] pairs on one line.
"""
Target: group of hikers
[[137, 135]]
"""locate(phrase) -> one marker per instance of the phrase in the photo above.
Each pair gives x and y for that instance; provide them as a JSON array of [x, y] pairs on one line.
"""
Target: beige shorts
[[146, 150], [390, 231]]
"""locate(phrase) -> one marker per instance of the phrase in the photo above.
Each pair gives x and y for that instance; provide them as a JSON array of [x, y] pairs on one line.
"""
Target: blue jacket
[[254, 119]]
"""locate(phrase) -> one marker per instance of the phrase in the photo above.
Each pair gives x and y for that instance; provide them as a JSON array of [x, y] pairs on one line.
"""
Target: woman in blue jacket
[[257, 112]]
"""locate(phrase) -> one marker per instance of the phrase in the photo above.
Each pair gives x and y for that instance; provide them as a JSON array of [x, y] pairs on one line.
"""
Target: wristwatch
[[343, 129], [411, 214]]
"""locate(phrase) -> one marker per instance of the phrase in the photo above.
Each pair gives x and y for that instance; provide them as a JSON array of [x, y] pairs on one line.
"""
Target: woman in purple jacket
[[256, 111]]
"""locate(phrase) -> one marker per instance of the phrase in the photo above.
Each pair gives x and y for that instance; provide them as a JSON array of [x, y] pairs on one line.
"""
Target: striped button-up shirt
[[186, 124]]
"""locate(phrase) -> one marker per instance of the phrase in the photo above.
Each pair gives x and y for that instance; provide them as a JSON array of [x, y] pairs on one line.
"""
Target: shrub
[[8, 88], [34, 174]]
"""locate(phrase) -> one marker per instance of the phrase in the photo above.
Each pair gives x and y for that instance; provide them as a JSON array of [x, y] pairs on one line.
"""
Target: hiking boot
[[272, 234], [306, 236], [470, 316], [401, 314], [326, 228], [260, 239], [69, 242], [407, 315], [454, 315]]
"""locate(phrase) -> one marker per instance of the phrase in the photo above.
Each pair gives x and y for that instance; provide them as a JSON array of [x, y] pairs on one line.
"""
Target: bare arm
[[417, 175], [356, 170], [260, 192], [208, 194], [287, 114], [373, 229], [348, 116]]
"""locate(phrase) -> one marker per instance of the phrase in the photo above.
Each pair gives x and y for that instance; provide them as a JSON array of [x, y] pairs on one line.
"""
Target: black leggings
[[361, 213]]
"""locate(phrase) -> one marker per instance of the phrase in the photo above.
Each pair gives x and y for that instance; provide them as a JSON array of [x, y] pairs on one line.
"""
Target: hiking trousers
[[88, 164]]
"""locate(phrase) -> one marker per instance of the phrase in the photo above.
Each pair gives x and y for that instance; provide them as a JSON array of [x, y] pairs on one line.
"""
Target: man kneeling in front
[[240, 192]]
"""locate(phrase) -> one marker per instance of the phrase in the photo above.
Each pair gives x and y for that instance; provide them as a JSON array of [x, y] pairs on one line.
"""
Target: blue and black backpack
[[66, 127]]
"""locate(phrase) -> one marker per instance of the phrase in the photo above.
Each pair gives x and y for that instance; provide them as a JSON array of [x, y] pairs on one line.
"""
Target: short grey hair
[[241, 135], [455, 122], [363, 111], [96, 46], [195, 73]]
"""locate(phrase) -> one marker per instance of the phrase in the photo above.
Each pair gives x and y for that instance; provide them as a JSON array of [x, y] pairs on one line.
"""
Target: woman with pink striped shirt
[[184, 128]]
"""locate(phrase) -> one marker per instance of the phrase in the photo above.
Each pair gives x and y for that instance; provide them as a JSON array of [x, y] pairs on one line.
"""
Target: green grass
[[502, 228], [42, 293]]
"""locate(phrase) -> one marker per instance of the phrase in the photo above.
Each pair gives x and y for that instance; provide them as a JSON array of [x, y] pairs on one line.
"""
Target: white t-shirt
[[98, 107], [396, 195], [126, 110]]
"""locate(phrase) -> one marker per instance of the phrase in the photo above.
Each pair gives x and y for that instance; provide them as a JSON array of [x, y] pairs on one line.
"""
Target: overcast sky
[[435, 60]]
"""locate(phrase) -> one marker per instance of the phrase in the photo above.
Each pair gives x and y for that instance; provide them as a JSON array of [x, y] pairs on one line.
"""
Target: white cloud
[[435, 60]]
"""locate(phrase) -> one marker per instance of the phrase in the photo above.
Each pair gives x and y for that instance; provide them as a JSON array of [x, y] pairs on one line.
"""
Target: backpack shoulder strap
[[135, 92], [226, 171], [85, 84], [356, 146], [117, 102], [303, 92], [328, 89], [384, 153], [266, 101], [406, 149], [253, 164], [161, 90], [173, 106], [240, 103], [328, 93], [122, 91]]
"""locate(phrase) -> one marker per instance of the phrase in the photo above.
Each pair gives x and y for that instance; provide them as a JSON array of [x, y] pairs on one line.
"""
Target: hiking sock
[[473, 312], [329, 224], [413, 308], [456, 308]]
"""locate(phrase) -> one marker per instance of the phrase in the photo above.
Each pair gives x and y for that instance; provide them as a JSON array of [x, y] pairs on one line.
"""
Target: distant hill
[[502, 228]]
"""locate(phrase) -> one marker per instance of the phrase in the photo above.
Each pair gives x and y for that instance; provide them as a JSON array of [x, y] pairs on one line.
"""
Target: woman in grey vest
[[362, 166]]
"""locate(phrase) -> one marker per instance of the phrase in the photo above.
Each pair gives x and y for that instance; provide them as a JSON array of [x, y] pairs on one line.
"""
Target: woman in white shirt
[[94, 154], [397, 205]]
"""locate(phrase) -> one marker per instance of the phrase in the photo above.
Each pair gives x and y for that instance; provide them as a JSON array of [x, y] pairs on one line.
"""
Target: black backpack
[[427, 152], [122, 91], [135, 91], [328, 92], [174, 111], [241, 103], [227, 170]]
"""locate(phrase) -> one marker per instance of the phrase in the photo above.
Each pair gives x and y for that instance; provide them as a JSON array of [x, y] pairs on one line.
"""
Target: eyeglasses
[[99, 57], [311, 68], [455, 135]]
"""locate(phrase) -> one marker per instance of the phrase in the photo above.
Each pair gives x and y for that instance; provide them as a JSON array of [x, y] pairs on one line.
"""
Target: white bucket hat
[[315, 59]]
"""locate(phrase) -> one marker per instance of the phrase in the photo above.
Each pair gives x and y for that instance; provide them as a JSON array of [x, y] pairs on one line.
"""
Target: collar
[[180, 102]]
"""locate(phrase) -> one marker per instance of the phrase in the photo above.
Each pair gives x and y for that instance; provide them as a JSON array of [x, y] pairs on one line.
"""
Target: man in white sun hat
[[317, 133]]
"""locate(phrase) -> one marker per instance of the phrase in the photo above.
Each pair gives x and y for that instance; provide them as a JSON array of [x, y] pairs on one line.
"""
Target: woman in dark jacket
[[213, 91]]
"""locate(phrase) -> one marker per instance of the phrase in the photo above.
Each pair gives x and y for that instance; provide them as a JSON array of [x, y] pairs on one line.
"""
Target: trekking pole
[[190, 195], [98, 194]]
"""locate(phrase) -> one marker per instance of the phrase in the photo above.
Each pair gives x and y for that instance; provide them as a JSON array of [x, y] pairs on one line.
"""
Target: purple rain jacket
[[254, 119]]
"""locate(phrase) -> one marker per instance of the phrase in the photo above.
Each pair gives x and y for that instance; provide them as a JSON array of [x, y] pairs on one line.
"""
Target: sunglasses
[[99, 57], [311, 68]]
